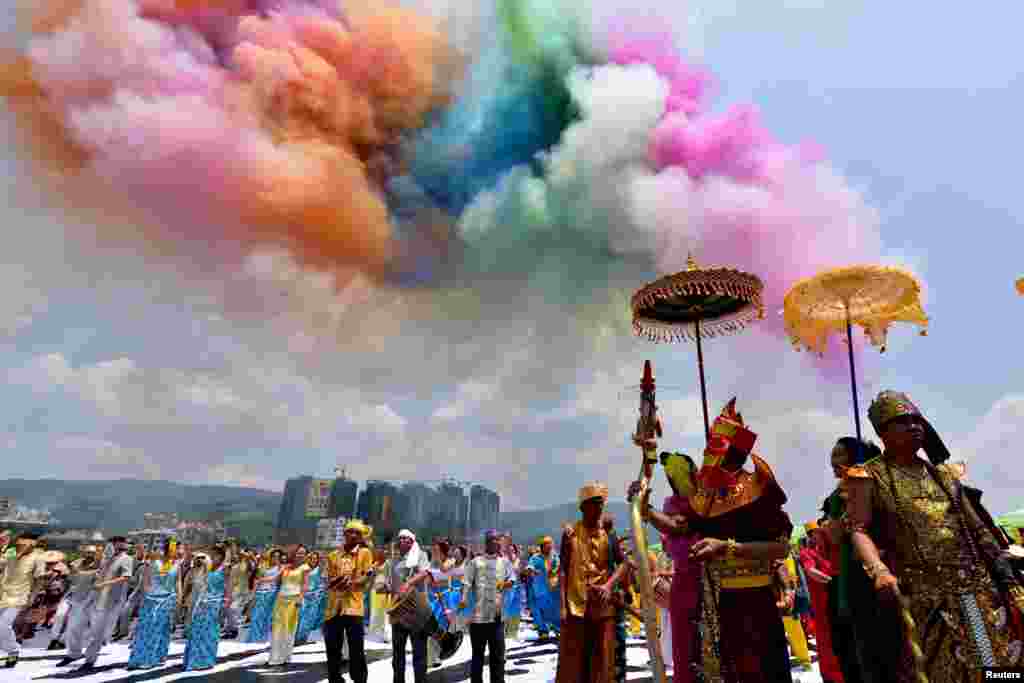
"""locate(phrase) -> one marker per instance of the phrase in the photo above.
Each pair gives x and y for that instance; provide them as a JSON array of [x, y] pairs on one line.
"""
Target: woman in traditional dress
[[791, 608], [438, 593], [380, 600], [820, 573], [512, 609], [312, 616], [152, 637], [293, 582], [931, 549], [742, 526], [204, 635], [266, 580]]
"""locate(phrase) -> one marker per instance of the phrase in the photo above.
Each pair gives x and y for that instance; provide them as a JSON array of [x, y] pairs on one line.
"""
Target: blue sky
[[115, 368]]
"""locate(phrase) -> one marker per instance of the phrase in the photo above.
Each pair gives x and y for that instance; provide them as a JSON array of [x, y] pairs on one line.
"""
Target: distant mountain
[[528, 525], [118, 506]]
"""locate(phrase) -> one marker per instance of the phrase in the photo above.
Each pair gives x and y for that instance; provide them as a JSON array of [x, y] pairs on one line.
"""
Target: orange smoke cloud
[[269, 129]]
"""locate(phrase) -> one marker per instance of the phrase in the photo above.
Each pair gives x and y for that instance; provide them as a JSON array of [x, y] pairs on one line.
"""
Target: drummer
[[410, 571]]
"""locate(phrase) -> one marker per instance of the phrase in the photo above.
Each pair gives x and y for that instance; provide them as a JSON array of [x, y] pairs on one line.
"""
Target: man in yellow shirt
[[22, 578], [591, 568], [348, 570]]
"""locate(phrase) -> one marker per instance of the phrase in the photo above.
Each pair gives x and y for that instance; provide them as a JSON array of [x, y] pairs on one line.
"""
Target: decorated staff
[[647, 427]]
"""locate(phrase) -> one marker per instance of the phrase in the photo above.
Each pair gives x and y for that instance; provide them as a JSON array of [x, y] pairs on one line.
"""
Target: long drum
[[650, 610], [413, 613]]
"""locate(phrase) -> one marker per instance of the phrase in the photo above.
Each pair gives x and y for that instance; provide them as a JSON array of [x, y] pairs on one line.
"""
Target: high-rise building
[[6, 507], [343, 496], [419, 504], [451, 508], [293, 524], [379, 509], [484, 508]]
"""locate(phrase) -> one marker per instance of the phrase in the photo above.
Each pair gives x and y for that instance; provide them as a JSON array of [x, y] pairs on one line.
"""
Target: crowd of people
[[904, 574]]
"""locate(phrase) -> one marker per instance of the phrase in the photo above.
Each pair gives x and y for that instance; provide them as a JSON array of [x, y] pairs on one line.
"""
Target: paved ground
[[527, 661]]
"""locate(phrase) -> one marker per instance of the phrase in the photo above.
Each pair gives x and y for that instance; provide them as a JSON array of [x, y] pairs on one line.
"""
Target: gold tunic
[[920, 534], [588, 567]]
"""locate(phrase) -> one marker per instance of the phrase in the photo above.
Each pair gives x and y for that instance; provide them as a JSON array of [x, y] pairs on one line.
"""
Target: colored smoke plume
[[225, 120], [535, 180]]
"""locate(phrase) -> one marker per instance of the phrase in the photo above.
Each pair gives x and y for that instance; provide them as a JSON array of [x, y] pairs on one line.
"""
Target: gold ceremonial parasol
[[696, 303], [873, 297]]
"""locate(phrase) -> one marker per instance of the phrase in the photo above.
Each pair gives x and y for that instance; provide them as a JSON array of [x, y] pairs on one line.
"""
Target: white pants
[[100, 629], [8, 641], [666, 638], [75, 635]]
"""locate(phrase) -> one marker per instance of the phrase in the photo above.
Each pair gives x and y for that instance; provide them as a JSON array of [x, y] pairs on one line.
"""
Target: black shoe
[[12, 661], [66, 661], [55, 645], [88, 666]]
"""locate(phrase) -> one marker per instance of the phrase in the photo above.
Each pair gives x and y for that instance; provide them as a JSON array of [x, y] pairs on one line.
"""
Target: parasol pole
[[853, 372], [703, 387]]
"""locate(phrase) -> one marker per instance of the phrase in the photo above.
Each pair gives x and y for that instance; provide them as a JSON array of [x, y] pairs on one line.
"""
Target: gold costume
[[932, 541]]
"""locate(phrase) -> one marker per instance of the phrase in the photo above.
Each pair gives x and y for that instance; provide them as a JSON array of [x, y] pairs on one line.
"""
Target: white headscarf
[[412, 558]]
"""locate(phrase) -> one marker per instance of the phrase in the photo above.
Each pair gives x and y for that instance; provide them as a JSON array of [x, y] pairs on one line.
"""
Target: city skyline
[[457, 509]]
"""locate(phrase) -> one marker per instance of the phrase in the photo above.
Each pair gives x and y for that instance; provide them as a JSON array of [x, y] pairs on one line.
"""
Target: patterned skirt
[[312, 616], [204, 637], [153, 632], [262, 615]]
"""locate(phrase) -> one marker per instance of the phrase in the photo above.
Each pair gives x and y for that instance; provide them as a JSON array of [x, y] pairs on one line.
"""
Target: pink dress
[[684, 601]]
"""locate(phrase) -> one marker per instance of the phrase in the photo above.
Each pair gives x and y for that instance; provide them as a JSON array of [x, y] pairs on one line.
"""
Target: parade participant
[[487, 577], [292, 583], [739, 517], [820, 573], [312, 614], [380, 599], [204, 636], [112, 585], [265, 595], [79, 600], [662, 596], [786, 585], [591, 567], [152, 638], [135, 593], [196, 586], [45, 601], [938, 551], [512, 609], [24, 574], [409, 572], [439, 595], [544, 576], [240, 596], [348, 570]]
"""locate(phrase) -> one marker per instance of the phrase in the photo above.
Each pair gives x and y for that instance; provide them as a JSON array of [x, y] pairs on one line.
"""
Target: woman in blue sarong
[[312, 616], [204, 636], [512, 609], [152, 637], [265, 596]]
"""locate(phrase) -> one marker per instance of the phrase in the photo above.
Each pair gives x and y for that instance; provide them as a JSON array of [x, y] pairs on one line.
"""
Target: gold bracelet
[[730, 549]]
